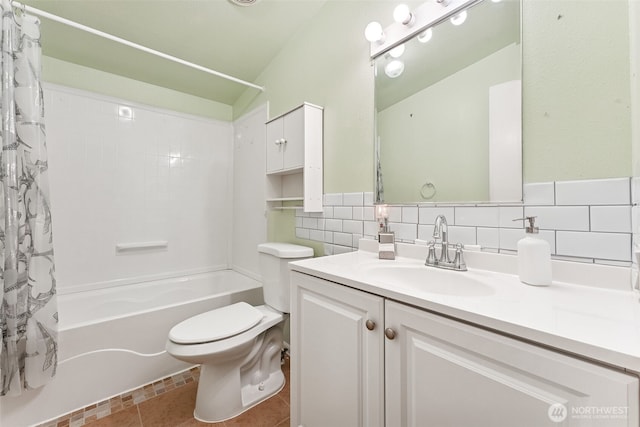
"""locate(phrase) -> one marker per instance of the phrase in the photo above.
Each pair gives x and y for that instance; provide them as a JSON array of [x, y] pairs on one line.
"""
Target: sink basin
[[429, 279]]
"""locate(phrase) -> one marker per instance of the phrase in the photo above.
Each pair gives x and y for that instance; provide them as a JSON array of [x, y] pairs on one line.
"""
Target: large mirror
[[438, 120], [449, 124]]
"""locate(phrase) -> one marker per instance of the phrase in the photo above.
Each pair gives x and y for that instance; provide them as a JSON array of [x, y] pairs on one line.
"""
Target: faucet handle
[[458, 260], [431, 255]]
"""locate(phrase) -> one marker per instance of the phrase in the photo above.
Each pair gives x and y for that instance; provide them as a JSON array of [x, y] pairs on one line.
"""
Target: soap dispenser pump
[[534, 257]]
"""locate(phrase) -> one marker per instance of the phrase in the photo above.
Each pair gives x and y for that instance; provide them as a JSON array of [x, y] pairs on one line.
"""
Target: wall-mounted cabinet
[[294, 159]]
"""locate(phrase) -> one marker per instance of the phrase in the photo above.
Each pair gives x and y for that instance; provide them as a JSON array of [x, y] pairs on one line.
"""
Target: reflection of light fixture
[[373, 32], [382, 212], [425, 36], [496, 1], [382, 216], [402, 15], [459, 18], [397, 51], [414, 23], [394, 68]]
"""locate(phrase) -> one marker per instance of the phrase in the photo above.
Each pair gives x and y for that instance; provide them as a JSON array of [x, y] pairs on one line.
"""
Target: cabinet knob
[[370, 324], [284, 141], [390, 333]]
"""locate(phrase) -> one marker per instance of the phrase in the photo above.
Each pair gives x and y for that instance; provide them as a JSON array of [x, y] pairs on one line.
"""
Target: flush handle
[[370, 324], [390, 333]]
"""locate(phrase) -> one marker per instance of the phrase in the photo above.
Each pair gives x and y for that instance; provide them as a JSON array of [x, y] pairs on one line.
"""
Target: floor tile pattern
[[169, 403]]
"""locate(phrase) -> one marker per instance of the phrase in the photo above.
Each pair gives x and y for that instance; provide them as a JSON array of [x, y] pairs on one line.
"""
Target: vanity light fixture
[[373, 32], [397, 51], [394, 68], [410, 23], [402, 15], [459, 18], [425, 36]]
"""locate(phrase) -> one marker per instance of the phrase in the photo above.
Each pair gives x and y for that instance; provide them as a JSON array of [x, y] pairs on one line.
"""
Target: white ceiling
[[235, 40]]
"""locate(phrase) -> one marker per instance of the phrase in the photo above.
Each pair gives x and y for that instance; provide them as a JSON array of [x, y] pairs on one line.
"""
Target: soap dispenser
[[534, 257]]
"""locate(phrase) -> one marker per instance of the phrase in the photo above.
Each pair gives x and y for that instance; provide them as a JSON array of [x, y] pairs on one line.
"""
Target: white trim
[[247, 273], [66, 290]]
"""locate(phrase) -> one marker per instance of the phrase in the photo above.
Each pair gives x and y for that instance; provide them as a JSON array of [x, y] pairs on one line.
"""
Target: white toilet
[[239, 346]]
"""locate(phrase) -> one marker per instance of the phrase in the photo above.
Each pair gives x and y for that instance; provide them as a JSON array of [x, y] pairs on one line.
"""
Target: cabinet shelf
[[277, 203], [285, 172], [285, 199]]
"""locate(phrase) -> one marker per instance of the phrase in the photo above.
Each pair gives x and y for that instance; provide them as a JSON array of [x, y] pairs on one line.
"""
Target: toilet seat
[[193, 353], [216, 324]]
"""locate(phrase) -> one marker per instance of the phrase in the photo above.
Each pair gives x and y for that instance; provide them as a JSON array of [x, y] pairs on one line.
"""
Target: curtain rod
[[116, 39]]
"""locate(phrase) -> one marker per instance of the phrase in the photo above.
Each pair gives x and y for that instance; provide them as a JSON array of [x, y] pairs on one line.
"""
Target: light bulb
[[402, 15], [425, 36], [397, 51], [373, 32], [394, 68], [459, 18]]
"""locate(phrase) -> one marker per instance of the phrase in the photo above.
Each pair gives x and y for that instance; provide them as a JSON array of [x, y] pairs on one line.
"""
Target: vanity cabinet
[[337, 355], [412, 367], [294, 158], [443, 372]]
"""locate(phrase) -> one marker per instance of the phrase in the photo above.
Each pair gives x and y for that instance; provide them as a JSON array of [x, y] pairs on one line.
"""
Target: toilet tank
[[273, 258]]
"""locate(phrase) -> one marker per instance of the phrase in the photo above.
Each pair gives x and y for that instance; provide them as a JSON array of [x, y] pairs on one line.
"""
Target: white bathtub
[[112, 340]]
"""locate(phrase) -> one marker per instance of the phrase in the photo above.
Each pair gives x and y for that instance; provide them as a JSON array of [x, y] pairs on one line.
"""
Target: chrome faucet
[[441, 231]]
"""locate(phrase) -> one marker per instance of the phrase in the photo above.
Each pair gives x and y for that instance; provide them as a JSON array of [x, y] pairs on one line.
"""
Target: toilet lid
[[216, 324]]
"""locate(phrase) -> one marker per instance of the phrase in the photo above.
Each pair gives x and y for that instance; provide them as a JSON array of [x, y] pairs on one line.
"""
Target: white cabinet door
[[440, 372], [294, 139], [275, 145], [286, 142], [336, 361]]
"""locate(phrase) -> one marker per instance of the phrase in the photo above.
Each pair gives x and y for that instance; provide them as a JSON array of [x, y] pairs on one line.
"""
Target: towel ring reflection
[[428, 191]]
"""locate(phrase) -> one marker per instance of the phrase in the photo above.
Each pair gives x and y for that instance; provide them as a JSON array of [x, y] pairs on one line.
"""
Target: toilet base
[[226, 390], [270, 389]]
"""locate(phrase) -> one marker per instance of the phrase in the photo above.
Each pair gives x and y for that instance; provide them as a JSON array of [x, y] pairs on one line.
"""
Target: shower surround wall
[[588, 221], [126, 173]]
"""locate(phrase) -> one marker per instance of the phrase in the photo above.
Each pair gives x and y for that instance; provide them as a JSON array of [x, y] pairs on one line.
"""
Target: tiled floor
[[174, 408]]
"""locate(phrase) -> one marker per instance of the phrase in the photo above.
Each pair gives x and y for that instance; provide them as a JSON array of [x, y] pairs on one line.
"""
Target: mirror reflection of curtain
[[28, 313], [379, 196]]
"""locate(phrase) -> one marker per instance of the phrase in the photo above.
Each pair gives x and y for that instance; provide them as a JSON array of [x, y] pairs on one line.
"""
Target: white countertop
[[595, 322]]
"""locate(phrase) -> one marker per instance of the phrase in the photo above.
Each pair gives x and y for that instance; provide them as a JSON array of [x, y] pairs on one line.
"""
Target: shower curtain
[[28, 313]]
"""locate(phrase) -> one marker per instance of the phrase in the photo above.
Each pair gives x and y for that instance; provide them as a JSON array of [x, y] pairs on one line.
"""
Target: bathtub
[[112, 340]]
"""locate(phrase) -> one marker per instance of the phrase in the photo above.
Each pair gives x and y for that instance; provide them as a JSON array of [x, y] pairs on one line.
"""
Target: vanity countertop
[[598, 323]]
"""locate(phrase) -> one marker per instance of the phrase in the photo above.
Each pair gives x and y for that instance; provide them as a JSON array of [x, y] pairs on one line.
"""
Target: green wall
[[77, 76], [576, 90], [327, 63]]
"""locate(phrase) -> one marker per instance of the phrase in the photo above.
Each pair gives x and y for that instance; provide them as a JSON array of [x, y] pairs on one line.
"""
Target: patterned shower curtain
[[29, 313]]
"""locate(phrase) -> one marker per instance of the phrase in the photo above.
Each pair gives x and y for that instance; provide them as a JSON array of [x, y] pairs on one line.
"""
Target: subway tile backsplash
[[588, 221]]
